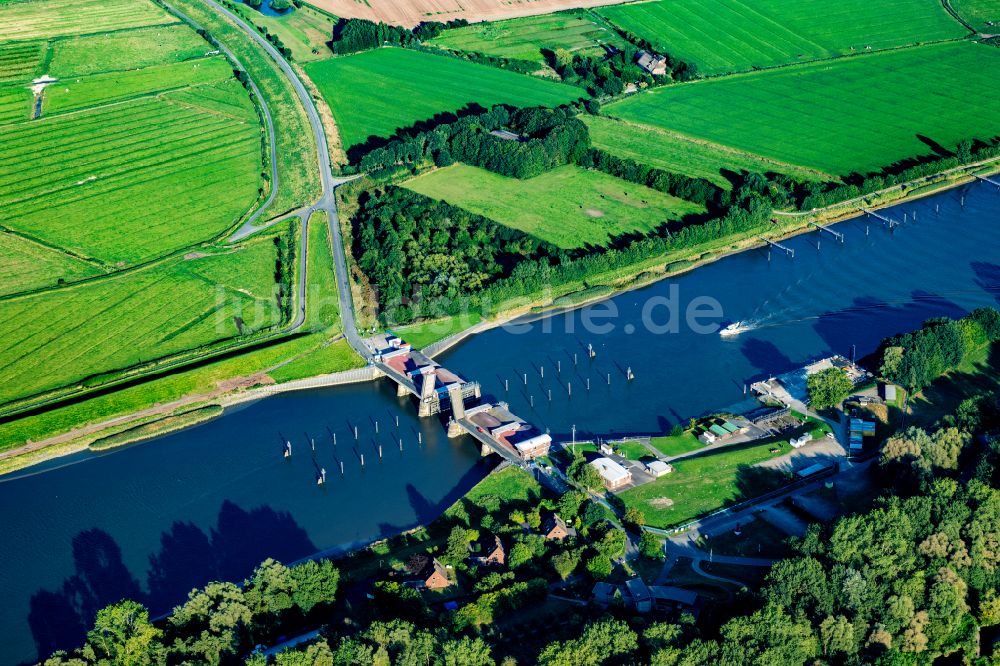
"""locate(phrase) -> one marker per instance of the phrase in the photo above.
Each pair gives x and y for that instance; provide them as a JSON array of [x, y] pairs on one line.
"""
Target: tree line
[[218, 624], [820, 195], [355, 34], [916, 359]]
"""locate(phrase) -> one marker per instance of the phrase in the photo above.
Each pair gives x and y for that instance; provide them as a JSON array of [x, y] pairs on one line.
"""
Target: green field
[[19, 61], [107, 87], [683, 154], [15, 104], [524, 38], [55, 18], [376, 92], [854, 114], [736, 35], [127, 49], [26, 265], [698, 485], [568, 206], [55, 338], [979, 13], [133, 181], [145, 149]]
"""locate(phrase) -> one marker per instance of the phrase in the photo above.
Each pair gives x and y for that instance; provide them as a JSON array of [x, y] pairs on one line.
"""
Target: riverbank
[[639, 275], [650, 271]]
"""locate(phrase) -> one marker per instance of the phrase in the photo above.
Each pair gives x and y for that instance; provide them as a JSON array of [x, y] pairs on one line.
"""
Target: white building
[[612, 474]]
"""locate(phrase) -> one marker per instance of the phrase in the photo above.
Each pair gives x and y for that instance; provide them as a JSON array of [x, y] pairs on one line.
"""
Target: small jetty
[[836, 234], [885, 220], [986, 180], [787, 250]]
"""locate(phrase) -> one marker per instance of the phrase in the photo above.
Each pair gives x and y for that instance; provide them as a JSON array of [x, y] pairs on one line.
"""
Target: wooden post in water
[[588, 383], [401, 444], [629, 374], [420, 438], [313, 442], [559, 367], [526, 379], [355, 433], [506, 386], [380, 452], [574, 358], [550, 395], [397, 421], [335, 439], [609, 379], [376, 426], [541, 371], [569, 389], [532, 401], [342, 468], [362, 460]]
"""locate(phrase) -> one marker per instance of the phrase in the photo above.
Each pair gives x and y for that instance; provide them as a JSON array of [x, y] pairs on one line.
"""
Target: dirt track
[[411, 12]]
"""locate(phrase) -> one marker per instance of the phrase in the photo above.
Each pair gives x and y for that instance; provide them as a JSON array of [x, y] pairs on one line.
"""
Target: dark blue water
[[266, 9], [153, 520]]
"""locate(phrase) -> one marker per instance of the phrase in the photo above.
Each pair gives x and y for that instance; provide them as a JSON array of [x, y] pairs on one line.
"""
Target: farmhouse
[[429, 574], [612, 474], [556, 528], [652, 63], [488, 551]]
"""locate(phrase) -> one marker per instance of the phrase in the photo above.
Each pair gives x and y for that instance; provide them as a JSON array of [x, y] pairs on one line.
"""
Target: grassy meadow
[[126, 50], [678, 153], [56, 338], [854, 114], [56, 18], [107, 87], [377, 92], [296, 153], [699, 484], [568, 206], [979, 13], [19, 61], [27, 265], [524, 38], [733, 35], [134, 181]]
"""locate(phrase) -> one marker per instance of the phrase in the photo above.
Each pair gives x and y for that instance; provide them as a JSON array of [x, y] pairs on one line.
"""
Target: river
[[155, 519]]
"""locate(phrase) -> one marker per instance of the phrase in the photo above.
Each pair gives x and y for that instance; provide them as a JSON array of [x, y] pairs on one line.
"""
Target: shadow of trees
[[187, 558]]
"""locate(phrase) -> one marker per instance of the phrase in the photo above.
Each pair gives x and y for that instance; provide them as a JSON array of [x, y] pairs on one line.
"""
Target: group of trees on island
[[416, 250]]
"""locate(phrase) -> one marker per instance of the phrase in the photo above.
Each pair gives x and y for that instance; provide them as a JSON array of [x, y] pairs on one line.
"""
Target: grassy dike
[[71, 428]]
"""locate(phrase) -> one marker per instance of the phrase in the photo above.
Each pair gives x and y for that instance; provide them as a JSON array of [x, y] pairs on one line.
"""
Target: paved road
[[327, 202]]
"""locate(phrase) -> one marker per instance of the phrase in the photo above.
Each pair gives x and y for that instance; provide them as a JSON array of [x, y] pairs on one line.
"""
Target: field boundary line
[[28, 238]]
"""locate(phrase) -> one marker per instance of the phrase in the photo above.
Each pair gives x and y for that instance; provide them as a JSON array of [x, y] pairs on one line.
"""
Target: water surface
[[153, 520]]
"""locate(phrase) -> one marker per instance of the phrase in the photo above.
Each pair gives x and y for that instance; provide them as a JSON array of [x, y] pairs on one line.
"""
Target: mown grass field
[[853, 114], [15, 104], [376, 92], [26, 265], [19, 61], [524, 38], [56, 338], [736, 35], [979, 13], [568, 206], [107, 87], [698, 485], [134, 181], [131, 49], [51, 18], [145, 147], [678, 153]]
